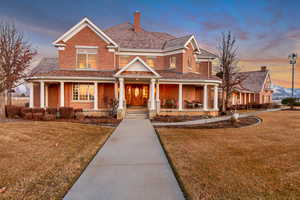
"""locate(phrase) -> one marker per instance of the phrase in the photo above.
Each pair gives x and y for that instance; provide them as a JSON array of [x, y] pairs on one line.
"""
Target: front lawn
[[41, 160], [259, 162]]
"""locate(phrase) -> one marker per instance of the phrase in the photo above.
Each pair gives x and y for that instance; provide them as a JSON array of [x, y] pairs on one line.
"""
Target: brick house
[[255, 89], [154, 71]]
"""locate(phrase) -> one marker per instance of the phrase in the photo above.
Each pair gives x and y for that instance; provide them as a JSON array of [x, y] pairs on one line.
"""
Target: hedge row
[[43, 114]]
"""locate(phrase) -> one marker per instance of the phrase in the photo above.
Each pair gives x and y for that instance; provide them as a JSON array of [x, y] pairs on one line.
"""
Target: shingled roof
[[254, 81], [48, 67], [125, 36]]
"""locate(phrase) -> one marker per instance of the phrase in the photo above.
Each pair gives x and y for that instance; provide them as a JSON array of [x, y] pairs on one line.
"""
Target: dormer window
[[190, 61], [86, 57]]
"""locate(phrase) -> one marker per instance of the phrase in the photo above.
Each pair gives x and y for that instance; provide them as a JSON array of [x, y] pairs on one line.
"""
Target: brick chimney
[[137, 20], [263, 68]]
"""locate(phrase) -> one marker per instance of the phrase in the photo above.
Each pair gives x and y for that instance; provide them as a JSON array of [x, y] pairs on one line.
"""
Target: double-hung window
[[150, 60], [86, 57], [83, 92], [172, 62]]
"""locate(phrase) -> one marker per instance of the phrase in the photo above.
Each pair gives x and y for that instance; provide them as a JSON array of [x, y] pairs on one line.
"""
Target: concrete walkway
[[216, 119], [130, 166]]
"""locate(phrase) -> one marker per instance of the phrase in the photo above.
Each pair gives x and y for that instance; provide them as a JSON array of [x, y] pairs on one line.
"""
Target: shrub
[[24, 111], [28, 116], [290, 101], [38, 110], [66, 112], [76, 110], [52, 111], [37, 116], [49, 117], [79, 116], [13, 111]]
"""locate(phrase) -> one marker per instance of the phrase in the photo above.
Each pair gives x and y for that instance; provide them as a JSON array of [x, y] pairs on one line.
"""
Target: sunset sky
[[266, 30]]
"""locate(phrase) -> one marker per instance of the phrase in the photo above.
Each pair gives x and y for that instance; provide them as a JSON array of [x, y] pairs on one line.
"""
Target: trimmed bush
[[49, 117], [37, 116], [52, 111], [13, 111], [290, 101], [38, 110], [76, 110], [66, 112], [79, 116], [28, 116], [24, 111]]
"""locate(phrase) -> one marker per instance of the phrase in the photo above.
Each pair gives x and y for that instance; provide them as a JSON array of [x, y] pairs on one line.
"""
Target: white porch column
[[249, 98], [215, 97], [180, 97], [31, 95], [121, 95], [245, 98], [46, 95], [241, 100], [116, 90], [42, 94], [152, 95], [62, 94], [95, 95], [157, 92], [205, 98]]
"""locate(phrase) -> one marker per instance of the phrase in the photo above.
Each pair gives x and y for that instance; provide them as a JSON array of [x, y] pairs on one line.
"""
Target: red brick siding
[[86, 37]]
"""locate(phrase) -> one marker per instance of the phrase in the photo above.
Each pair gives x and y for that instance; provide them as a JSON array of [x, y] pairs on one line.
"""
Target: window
[[150, 60], [189, 61], [124, 60], [173, 62], [83, 92], [86, 57]]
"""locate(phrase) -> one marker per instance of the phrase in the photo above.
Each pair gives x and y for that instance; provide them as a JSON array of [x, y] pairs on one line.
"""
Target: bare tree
[[15, 57], [228, 69]]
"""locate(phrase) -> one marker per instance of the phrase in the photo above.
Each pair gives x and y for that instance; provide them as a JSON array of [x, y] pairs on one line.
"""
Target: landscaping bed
[[256, 162], [183, 118], [42, 160], [242, 122]]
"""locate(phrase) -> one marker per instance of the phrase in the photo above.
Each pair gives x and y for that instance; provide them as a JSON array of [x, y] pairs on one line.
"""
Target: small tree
[[15, 57], [228, 69]]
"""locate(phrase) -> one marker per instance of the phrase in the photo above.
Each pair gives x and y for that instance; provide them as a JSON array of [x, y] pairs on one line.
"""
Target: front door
[[137, 94]]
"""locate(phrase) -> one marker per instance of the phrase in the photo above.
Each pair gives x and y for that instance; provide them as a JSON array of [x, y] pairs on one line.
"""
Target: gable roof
[[204, 54], [126, 37], [82, 24], [254, 81], [137, 59]]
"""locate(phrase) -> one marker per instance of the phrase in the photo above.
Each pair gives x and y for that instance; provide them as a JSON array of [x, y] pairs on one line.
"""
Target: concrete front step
[[136, 116]]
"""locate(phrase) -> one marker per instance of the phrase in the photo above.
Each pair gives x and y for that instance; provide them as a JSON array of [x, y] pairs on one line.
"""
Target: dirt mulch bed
[[243, 122], [102, 121], [42, 160], [168, 118]]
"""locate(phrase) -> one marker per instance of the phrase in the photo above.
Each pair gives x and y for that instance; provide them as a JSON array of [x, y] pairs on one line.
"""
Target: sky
[[266, 30]]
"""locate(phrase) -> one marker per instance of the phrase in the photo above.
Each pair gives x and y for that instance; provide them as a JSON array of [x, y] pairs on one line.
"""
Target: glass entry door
[[137, 94]]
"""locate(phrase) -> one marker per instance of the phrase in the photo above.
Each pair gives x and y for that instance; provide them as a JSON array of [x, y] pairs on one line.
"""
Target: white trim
[[189, 81], [96, 95], [127, 53], [62, 94], [78, 27], [42, 94], [133, 61], [205, 97], [180, 97], [31, 95], [70, 79], [196, 43]]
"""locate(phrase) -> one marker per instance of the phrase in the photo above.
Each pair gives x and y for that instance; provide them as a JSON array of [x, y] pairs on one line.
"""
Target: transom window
[[124, 60], [83, 92], [86, 57], [173, 62], [150, 60]]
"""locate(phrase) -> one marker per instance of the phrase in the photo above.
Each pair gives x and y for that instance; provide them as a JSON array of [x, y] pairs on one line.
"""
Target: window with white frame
[[83, 92], [172, 62], [86, 57], [190, 61]]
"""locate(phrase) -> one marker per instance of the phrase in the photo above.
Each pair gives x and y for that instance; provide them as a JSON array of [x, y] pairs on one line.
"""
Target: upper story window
[[83, 92], [86, 57], [189, 61], [150, 60], [124, 60], [172, 62]]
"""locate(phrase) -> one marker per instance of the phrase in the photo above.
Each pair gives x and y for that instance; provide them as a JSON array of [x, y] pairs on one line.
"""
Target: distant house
[[255, 89], [155, 71]]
